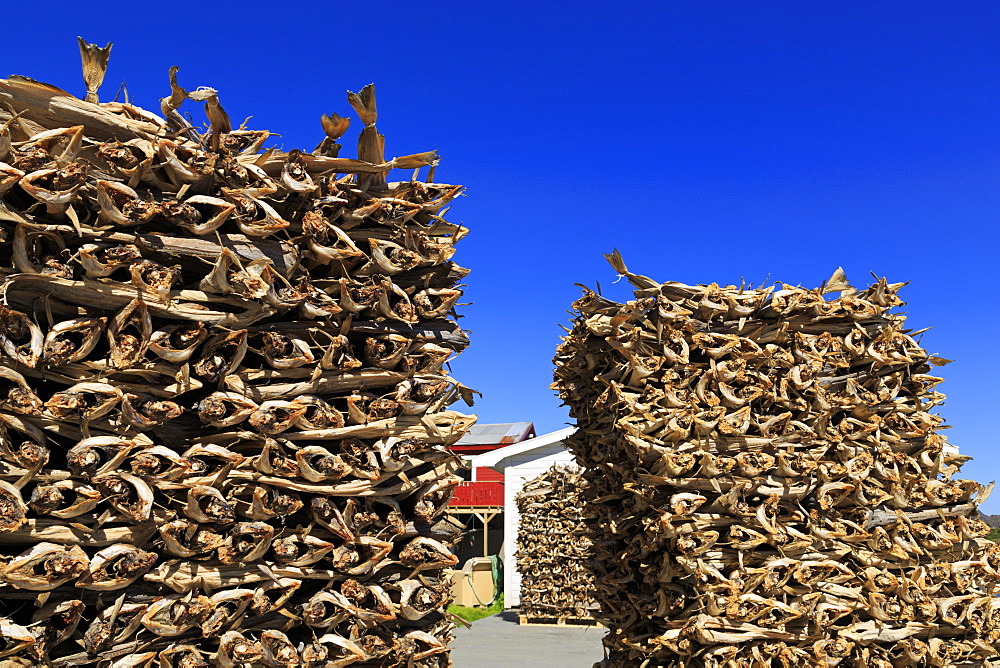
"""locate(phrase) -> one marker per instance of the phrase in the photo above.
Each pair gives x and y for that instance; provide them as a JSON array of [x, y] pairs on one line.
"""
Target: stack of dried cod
[[768, 483], [553, 548], [223, 435]]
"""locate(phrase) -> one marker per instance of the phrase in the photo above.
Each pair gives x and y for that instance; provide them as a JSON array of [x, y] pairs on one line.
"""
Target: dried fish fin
[[95, 64]]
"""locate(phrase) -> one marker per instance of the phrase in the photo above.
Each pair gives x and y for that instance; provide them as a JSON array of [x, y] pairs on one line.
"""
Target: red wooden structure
[[483, 496], [478, 494]]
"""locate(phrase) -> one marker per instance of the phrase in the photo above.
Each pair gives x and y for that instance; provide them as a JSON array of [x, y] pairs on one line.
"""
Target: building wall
[[520, 469], [486, 474]]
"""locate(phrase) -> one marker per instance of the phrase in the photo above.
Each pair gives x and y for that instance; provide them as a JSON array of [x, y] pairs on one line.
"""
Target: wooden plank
[[578, 622]]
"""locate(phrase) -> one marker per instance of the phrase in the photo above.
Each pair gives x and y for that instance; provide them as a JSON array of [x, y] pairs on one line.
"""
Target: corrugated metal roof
[[495, 459], [497, 434]]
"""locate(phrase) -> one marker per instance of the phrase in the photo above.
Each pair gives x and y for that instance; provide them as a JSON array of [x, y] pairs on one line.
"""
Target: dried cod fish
[[223, 420], [767, 484]]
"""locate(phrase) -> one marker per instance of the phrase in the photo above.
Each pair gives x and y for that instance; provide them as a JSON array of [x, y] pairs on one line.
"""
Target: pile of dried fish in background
[[768, 485], [552, 547], [223, 435]]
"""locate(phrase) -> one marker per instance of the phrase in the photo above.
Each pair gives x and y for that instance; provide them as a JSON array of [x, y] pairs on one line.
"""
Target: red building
[[481, 496]]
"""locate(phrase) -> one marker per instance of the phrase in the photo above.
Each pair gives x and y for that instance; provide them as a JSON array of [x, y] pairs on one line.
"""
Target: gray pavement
[[499, 642]]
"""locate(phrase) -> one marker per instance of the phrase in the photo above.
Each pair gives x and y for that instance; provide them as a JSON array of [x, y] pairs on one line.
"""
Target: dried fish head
[[315, 304], [317, 464], [72, 340], [273, 595], [339, 355], [301, 549], [356, 296], [246, 179], [87, 401], [364, 408], [121, 205], [155, 279], [235, 649], [376, 641], [131, 160], [247, 541], [116, 567], [325, 609], [827, 570], [362, 556], [31, 454], [318, 413], [270, 502], [128, 494], [64, 499], [53, 624], [182, 163], [98, 455], [326, 242], [425, 358], [278, 649], [832, 652], [394, 303], [332, 651], [417, 396], [243, 142], [221, 355], [173, 615], [199, 215], [385, 352], [112, 625], [12, 509], [20, 338], [208, 505], [275, 416], [433, 249], [15, 639], [295, 177], [284, 351], [56, 188], [39, 251], [255, 217], [434, 303], [101, 261], [389, 258], [225, 409], [274, 460], [187, 539], [17, 394], [368, 603], [417, 599], [176, 343], [181, 656], [227, 608], [143, 411], [128, 335], [45, 566], [422, 553], [59, 146], [378, 513], [253, 281]]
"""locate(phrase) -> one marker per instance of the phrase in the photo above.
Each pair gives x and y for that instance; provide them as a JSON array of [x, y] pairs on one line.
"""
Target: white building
[[520, 463]]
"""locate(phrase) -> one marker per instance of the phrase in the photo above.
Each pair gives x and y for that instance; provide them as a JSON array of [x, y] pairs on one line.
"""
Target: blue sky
[[708, 141]]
